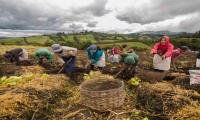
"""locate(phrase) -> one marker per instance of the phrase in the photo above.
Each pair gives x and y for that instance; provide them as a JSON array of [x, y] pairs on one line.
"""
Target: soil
[[184, 63]]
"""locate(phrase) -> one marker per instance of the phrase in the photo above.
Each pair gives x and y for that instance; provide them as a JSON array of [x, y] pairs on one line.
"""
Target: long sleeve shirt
[[163, 49], [48, 54], [95, 56], [15, 55], [66, 52]]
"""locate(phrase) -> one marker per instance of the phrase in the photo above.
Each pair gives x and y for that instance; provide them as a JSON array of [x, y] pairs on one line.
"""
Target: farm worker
[[109, 55], [198, 58], [129, 59], [18, 54], [96, 57], [116, 51], [176, 53], [67, 56], [163, 51], [42, 53]]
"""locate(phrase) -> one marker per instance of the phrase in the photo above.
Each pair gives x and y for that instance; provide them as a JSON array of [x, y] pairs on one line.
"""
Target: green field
[[69, 38], [84, 38], [38, 39], [130, 44], [11, 40]]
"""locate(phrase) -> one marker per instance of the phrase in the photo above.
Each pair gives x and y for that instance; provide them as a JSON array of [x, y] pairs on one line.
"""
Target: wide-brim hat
[[56, 48]]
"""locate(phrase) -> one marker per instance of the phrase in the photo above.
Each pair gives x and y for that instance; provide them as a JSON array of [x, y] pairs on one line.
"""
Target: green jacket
[[48, 53], [130, 58]]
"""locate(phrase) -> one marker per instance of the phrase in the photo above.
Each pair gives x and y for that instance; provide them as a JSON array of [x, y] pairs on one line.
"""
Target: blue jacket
[[95, 56]]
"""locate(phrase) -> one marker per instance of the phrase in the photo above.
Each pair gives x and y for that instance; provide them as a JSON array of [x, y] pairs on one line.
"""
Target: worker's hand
[[163, 57], [151, 53]]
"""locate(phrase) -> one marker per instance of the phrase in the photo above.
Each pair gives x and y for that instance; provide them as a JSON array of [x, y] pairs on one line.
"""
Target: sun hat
[[42, 54], [93, 48], [184, 47], [7, 55], [56, 48]]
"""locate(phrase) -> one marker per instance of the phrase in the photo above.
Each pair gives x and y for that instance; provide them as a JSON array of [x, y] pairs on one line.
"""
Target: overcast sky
[[33, 17]]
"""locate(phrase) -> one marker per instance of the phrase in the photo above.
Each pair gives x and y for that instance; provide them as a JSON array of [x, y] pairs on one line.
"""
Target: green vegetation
[[11, 40], [84, 39], [38, 39], [136, 45], [87, 37]]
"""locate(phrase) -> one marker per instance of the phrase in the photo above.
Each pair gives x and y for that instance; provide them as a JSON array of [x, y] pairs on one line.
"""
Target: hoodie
[[163, 49]]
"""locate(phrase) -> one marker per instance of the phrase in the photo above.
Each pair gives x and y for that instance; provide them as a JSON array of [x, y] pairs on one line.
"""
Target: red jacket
[[163, 49]]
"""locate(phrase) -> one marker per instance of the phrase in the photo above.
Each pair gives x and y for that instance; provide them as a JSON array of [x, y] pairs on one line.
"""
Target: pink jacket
[[163, 49], [175, 53]]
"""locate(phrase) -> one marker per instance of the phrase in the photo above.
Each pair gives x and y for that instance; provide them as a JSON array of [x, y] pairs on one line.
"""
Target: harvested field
[[38, 92]]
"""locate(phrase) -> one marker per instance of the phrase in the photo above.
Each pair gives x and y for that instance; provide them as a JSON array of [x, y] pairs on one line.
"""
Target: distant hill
[[4, 37], [161, 33]]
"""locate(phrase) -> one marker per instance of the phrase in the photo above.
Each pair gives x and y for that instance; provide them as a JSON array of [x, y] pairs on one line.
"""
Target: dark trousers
[[71, 65]]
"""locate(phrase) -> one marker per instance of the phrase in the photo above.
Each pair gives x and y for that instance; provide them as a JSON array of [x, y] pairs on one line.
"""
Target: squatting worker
[[176, 53], [42, 53], [129, 59], [66, 55], [162, 54], [18, 54], [96, 57]]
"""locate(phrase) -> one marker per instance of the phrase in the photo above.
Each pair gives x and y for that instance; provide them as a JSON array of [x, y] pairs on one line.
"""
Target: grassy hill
[[82, 40]]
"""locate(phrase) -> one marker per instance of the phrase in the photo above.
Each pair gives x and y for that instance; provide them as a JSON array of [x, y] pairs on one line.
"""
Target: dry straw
[[164, 99]]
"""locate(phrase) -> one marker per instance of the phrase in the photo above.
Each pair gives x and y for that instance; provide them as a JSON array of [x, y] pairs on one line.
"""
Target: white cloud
[[121, 16]]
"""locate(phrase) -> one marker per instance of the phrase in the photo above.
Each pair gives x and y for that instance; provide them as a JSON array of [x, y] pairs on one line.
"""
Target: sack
[[161, 64], [116, 50], [194, 76], [198, 62]]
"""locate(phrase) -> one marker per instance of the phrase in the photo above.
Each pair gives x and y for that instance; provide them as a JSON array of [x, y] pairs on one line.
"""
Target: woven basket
[[7, 69], [102, 94], [151, 76]]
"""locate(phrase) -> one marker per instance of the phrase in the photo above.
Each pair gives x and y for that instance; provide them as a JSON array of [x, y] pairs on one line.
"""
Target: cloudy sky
[[35, 17]]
